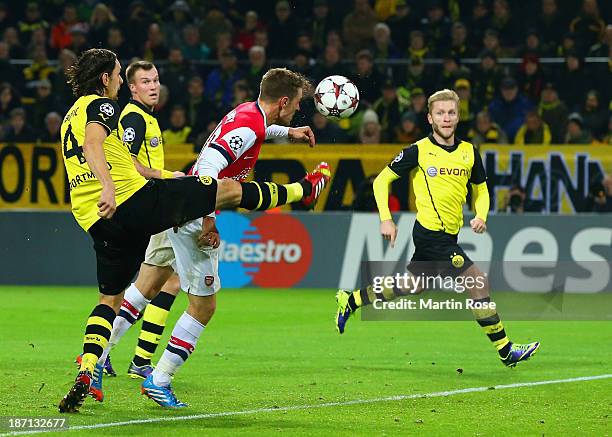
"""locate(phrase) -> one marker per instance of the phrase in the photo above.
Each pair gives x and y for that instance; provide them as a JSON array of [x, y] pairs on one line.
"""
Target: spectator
[[514, 200], [383, 48], [8, 72], [576, 134], [261, 38], [179, 132], [242, 94], [568, 45], [102, 18], [115, 41], [554, 113], [9, 100], [594, 115], [246, 37], [551, 24], [61, 37], [176, 73], [533, 46], [370, 128], [11, 37], [368, 80], [486, 131], [44, 103], [258, 65], [304, 42], [417, 47], [302, 62], [180, 16], [468, 107], [418, 105], [358, 25], [365, 200], [451, 72], [334, 40], [5, 17], [32, 21], [154, 47], [79, 39], [39, 69], [38, 38], [603, 48], [18, 131], [599, 199], [479, 22], [408, 132], [491, 43], [214, 23], [200, 110], [327, 132], [223, 43], [510, 109], [588, 26], [404, 18], [282, 32], [533, 131], [138, 21], [51, 132], [437, 26], [193, 48], [388, 110], [574, 74], [530, 78], [220, 81], [459, 41], [505, 24], [416, 77], [329, 65], [319, 25]]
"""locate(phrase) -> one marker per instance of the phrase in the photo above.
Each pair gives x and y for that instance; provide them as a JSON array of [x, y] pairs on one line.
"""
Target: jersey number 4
[[74, 149]]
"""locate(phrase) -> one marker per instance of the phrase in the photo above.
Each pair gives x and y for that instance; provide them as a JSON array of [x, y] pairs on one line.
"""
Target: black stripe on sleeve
[[223, 152], [479, 174]]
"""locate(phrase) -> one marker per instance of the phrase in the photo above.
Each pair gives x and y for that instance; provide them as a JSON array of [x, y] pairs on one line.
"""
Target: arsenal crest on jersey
[[208, 280]]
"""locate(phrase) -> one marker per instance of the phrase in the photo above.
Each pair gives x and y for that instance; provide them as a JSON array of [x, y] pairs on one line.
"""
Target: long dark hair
[[85, 76]]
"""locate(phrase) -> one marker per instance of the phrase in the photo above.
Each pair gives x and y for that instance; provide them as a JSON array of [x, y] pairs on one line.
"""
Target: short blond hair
[[440, 96]]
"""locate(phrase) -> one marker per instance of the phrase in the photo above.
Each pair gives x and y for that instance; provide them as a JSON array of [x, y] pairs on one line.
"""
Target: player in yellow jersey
[[440, 167], [140, 132], [120, 209]]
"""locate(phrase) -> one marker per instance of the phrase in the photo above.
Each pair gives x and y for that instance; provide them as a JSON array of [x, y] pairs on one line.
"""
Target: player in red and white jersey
[[231, 151]]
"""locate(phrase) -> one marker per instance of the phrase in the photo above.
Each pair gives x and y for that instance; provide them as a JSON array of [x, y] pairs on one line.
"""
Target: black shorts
[[120, 243], [436, 253]]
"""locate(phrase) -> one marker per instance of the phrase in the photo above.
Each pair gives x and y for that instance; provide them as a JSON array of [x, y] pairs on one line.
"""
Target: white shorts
[[198, 269], [159, 251]]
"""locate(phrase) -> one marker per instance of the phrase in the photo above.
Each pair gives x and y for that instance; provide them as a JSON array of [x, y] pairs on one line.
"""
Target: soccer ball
[[336, 97]]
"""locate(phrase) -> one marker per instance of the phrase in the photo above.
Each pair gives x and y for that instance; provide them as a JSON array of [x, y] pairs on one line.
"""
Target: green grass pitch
[[278, 348]]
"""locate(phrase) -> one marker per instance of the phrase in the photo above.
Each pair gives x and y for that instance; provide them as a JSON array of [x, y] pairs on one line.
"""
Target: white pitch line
[[323, 405]]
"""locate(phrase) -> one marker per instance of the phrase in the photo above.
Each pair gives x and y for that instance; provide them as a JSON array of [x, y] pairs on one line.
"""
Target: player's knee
[[172, 285], [229, 194], [113, 301], [202, 308]]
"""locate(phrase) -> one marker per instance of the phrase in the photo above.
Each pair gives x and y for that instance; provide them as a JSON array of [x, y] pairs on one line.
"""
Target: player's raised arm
[[480, 192]]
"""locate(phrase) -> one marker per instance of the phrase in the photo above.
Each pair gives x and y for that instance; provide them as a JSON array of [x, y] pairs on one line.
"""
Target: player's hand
[[389, 231], [303, 133], [107, 204], [209, 237], [177, 174], [478, 225]]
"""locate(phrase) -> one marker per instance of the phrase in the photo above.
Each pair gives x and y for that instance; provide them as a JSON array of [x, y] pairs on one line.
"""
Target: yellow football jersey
[[140, 132], [85, 189], [440, 176]]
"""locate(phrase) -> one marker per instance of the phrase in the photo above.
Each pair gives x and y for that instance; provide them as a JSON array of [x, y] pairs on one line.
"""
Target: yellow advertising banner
[[554, 178]]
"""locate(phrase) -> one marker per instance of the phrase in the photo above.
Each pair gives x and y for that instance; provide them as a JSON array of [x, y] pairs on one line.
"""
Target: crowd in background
[[211, 56]]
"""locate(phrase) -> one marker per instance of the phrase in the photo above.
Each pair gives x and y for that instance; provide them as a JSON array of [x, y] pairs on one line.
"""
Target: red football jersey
[[238, 138]]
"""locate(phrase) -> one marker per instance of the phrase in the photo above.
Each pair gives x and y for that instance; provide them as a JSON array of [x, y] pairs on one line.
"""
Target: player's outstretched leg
[[153, 324], [259, 196]]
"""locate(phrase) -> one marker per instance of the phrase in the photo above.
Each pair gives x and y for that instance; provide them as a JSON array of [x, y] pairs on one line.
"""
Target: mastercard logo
[[271, 250]]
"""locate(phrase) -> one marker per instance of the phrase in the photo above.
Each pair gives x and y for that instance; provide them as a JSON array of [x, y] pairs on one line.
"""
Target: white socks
[[182, 343]]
